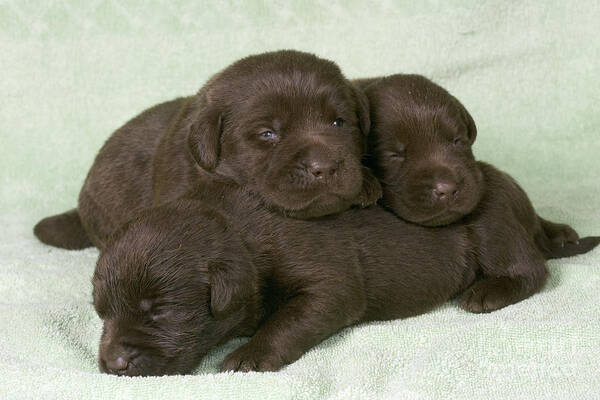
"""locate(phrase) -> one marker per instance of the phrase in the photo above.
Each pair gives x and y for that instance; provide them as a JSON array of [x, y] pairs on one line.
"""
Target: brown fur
[[421, 151], [222, 265], [286, 125]]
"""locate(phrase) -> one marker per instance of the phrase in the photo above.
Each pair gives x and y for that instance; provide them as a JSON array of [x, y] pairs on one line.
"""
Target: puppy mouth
[[313, 206], [146, 367], [310, 191], [452, 212], [444, 218], [317, 197], [135, 367], [415, 212], [321, 199]]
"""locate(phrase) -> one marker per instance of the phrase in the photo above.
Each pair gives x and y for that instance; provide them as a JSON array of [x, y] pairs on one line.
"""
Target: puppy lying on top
[[421, 146], [286, 124]]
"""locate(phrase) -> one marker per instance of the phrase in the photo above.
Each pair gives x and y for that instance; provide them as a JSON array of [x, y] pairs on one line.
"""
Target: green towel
[[73, 71]]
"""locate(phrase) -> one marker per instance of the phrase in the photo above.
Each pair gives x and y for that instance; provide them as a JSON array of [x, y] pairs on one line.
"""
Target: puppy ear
[[232, 284], [472, 129], [362, 111], [203, 122], [371, 189]]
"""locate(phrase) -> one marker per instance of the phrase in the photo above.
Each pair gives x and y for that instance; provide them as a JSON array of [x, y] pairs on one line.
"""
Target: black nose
[[444, 191], [321, 168], [318, 163], [116, 366]]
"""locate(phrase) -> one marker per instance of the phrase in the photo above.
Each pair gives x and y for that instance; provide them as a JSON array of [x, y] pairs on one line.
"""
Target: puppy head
[[421, 147], [288, 126], [172, 284]]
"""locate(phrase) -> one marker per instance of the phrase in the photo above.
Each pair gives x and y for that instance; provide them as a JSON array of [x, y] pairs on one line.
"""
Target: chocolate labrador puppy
[[286, 125], [188, 275], [421, 146]]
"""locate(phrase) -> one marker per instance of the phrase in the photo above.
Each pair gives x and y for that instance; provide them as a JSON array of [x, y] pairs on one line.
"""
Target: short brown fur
[[286, 125], [420, 148], [223, 265]]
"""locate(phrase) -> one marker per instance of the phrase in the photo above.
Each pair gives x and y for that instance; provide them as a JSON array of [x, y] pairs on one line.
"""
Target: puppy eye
[[160, 316], [268, 135], [457, 141], [146, 305], [395, 156], [338, 123]]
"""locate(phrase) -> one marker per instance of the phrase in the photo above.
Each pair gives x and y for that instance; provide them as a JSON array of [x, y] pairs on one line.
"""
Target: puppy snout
[[445, 190], [320, 168], [117, 360], [318, 164], [116, 366]]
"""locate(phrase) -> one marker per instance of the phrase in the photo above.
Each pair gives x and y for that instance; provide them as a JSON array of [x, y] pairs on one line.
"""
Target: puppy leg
[[371, 189], [301, 323], [513, 268], [495, 292], [558, 234], [63, 230], [560, 240]]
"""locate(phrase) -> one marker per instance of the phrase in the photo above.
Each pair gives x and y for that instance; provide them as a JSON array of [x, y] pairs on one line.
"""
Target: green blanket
[[73, 71]]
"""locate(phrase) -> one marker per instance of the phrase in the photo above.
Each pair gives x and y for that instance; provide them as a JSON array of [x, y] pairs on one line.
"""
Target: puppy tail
[[63, 230], [571, 249]]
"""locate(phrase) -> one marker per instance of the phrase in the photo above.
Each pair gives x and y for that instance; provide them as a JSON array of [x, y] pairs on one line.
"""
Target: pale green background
[[73, 71]]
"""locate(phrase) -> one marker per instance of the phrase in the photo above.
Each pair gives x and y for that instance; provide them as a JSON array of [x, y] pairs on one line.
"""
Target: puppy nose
[[445, 190], [317, 162], [321, 168], [117, 365]]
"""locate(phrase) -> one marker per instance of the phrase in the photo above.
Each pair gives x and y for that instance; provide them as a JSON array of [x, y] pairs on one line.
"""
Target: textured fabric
[[73, 71]]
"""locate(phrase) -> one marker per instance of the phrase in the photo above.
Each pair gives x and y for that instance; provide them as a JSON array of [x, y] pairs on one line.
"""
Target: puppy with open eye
[[286, 125], [190, 274], [421, 138]]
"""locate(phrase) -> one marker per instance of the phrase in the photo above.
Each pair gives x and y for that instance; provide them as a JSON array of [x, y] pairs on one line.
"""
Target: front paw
[[250, 357], [489, 294], [371, 189]]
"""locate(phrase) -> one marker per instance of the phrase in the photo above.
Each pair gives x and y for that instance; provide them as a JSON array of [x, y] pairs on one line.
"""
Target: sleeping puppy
[[188, 275], [421, 148], [287, 125], [153, 290]]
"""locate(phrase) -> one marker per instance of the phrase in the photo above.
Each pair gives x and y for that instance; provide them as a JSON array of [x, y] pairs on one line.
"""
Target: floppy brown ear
[[232, 284], [371, 189], [472, 129], [203, 122], [362, 108]]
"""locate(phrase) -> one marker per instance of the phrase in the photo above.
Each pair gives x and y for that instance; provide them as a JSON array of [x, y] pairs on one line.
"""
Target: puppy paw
[[488, 295], [565, 235], [371, 190], [251, 358], [561, 234]]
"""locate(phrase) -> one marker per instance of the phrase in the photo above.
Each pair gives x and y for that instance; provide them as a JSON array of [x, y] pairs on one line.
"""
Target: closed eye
[[397, 153], [394, 155], [161, 316], [457, 141]]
